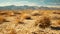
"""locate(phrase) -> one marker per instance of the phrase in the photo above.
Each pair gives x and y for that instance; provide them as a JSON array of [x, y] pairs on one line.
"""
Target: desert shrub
[[17, 12], [2, 19], [20, 22], [2, 13], [12, 32], [28, 18], [36, 14], [45, 23], [34, 33], [56, 12], [56, 17]]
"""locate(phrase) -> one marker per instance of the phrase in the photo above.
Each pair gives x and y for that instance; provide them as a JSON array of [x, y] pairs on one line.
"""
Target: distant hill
[[13, 7]]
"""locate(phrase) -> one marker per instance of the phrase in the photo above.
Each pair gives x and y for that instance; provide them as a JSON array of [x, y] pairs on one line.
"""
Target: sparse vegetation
[[30, 21], [45, 23]]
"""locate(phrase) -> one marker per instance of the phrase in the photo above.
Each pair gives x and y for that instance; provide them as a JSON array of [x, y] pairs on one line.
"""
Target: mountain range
[[13, 7]]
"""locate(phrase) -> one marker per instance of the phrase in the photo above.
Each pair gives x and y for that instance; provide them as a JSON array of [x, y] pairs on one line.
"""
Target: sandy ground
[[32, 22]]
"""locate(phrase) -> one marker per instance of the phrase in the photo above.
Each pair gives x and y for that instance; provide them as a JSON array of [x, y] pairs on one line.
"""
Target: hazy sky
[[30, 2]]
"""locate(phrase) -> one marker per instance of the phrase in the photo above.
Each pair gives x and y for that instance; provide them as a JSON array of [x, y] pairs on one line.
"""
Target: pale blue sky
[[30, 2]]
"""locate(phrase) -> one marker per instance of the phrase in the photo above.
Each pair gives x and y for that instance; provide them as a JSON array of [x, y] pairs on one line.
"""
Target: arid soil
[[29, 21]]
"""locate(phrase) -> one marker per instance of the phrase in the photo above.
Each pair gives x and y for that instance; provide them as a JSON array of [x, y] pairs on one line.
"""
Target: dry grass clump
[[44, 23], [56, 23], [56, 12], [10, 13], [25, 16], [55, 17], [2, 19], [7, 13], [12, 32], [36, 13], [2, 13]]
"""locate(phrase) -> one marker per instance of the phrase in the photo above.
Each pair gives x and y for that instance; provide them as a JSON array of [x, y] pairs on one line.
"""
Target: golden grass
[[28, 21]]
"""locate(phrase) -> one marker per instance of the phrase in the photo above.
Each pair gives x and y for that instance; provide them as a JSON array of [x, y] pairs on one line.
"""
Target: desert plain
[[30, 21]]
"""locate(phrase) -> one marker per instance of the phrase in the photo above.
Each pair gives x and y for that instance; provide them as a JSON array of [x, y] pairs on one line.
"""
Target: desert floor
[[29, 21]]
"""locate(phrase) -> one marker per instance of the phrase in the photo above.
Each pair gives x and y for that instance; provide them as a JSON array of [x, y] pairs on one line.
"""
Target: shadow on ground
[[55, 28]]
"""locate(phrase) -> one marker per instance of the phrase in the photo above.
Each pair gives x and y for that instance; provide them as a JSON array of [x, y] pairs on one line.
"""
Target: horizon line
[[32, 5]]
